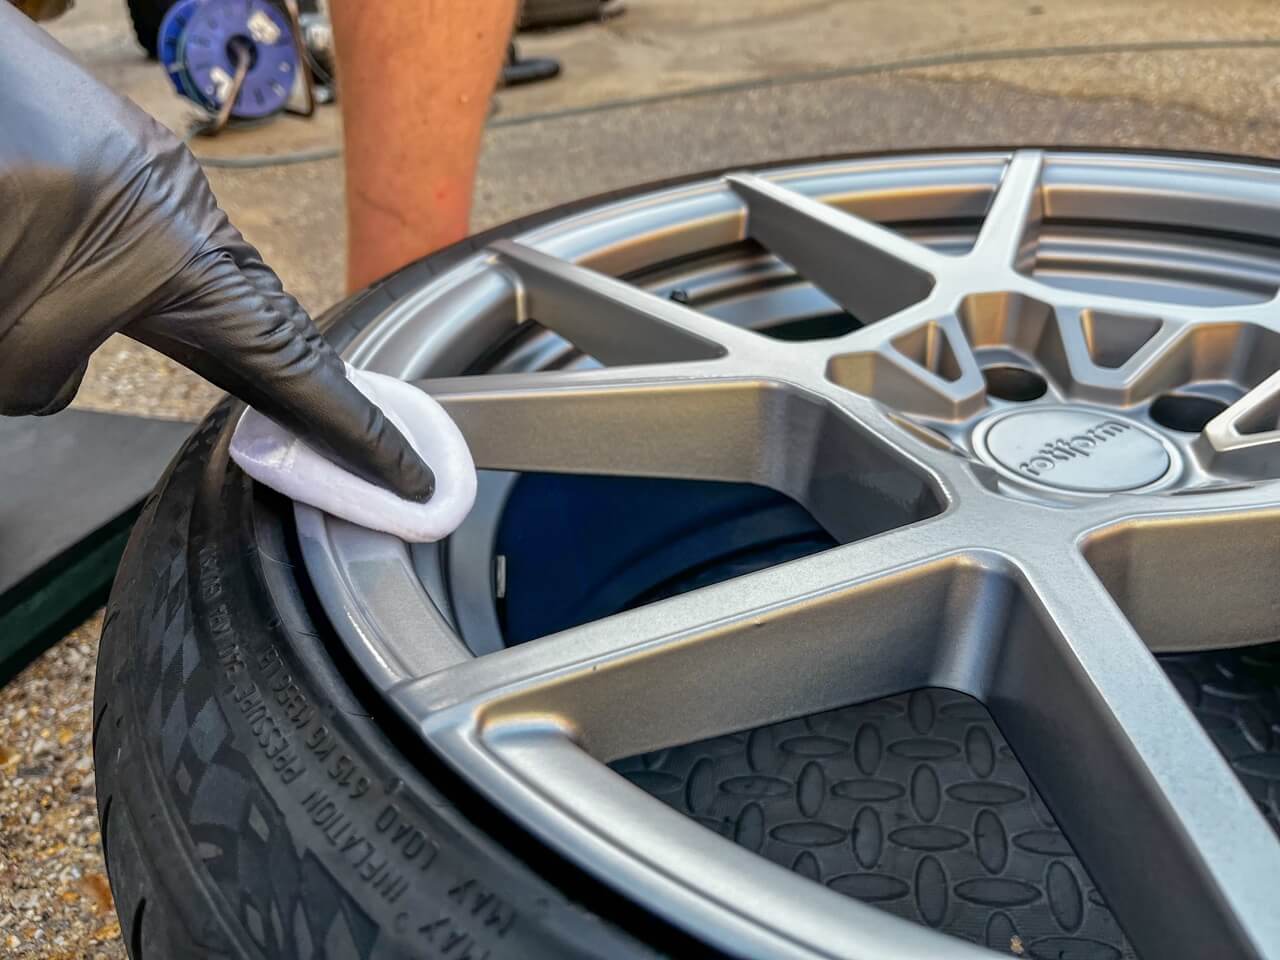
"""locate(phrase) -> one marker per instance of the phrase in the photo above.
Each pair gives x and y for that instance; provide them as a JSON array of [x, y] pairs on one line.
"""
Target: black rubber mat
[[70, 486], [916, 804]]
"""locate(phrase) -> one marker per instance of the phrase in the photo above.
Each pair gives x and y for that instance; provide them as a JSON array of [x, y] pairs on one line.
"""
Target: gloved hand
[[107, 224]]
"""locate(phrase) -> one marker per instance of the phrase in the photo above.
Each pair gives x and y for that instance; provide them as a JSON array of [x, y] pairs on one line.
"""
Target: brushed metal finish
[[1041, 592]]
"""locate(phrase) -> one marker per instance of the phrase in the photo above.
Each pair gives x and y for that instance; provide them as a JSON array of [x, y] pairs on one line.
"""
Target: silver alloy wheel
[[1029, 552]]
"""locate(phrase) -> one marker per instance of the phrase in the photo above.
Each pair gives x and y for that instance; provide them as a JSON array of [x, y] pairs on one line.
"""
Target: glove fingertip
[[413, 479]]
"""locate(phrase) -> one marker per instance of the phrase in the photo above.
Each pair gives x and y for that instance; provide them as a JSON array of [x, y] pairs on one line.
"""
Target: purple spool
[[207, 49]]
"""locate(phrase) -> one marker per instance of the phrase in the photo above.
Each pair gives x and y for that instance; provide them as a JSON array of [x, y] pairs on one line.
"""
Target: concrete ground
[[668, 88]]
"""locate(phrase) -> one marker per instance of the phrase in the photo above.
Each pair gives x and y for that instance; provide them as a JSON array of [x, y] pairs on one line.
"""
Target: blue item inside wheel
[[199, 44]]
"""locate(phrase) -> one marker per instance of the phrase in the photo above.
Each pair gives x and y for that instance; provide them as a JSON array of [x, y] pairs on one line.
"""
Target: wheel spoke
[[1145, 797], [870, 270], [1009, 230], [659, 421], [1118, 358], [693, 422], [1154, 367], [851, 624], [1236, 551], [927, 368], [611, 320], [1244, 440]]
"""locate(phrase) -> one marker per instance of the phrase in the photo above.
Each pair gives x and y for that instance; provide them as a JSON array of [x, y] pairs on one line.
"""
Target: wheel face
[[1038, 417]]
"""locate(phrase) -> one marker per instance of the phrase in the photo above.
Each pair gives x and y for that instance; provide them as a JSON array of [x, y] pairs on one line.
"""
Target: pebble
[[55, 902]]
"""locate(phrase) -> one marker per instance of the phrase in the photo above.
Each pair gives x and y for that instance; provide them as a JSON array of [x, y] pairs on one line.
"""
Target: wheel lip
[[371, 342], [328, 561]]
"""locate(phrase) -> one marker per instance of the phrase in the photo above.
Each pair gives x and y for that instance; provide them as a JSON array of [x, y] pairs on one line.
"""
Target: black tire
[[253, 795], [146, 16]]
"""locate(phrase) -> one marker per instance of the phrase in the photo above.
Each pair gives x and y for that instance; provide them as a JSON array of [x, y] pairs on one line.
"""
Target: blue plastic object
[[198, 43], [579, 548]]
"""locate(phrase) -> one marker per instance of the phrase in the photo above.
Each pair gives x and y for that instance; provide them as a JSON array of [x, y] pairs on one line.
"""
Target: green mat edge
[[52, 601]]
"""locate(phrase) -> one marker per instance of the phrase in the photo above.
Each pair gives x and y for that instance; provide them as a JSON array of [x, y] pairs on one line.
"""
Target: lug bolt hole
[[1185, 412], [1018, 384]]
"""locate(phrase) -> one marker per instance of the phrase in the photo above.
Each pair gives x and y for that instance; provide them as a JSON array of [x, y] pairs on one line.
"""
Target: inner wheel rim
[[1039, 598]]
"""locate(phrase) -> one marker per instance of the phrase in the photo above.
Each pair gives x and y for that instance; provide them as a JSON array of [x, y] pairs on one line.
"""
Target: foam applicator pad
[[274, 456]]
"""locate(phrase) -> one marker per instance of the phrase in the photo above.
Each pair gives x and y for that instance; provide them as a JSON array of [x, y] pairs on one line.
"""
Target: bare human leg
[[416, 78]]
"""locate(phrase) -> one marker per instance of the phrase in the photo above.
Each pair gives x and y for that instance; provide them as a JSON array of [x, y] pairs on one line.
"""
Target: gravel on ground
[[54, 897]]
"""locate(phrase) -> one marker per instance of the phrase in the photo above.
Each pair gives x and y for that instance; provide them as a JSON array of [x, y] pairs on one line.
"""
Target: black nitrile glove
[[107, 224]]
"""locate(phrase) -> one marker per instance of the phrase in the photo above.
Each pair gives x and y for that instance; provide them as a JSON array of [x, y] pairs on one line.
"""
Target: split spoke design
[[611, 320], [1009, 230], [924, 367], [1119, 358], [1244, 440], [1172, 838], [1153, 366], [868, 269]]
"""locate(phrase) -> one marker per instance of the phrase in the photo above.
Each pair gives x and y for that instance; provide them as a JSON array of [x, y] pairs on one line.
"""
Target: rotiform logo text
[[1069, 448]]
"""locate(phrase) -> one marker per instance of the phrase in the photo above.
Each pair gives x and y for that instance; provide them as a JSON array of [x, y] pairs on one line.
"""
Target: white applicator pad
[[274, 456]]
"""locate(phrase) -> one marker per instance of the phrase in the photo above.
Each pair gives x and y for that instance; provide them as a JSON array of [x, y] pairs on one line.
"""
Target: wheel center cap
[[1074, 448]]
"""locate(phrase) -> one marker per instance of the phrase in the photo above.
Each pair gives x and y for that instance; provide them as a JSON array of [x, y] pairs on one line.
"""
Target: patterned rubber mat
[[916, 804]]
